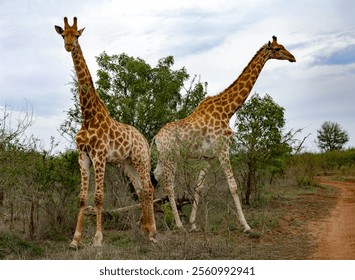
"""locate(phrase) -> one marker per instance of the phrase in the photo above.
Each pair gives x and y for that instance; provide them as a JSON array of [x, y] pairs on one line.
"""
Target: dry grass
[[279, 224]]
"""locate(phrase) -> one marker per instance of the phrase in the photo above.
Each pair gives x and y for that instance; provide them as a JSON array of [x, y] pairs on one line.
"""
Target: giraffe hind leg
[[140, 177], [168, 171], [165, 172], [197, 195]]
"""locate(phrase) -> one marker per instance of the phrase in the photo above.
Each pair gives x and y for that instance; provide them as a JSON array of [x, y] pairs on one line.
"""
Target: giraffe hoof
[[97, 239], [180, 227], [97, 243], [194, 229], [247, 230], [152, 235], [73, 245], [153, 240]]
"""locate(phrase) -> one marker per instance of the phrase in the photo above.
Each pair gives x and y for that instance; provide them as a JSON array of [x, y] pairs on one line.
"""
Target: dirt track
[[336, 234]]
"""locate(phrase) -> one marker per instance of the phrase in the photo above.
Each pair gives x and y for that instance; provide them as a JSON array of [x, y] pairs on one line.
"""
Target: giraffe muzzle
[[292, 59], [68, 47]]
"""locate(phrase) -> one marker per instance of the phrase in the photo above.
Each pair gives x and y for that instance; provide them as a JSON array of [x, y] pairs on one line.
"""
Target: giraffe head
[[70, 34], [277, 51]]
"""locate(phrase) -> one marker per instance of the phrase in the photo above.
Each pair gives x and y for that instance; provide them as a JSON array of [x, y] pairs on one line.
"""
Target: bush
[[303, 168]]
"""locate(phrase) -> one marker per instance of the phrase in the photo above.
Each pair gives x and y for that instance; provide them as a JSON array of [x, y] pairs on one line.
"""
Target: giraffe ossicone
[[208, 128], [103, 140]]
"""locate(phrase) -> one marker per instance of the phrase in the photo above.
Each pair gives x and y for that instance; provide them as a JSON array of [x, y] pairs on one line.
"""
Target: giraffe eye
[[277, 49]]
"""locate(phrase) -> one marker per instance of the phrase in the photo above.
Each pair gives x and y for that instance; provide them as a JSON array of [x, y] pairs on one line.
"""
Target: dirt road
[[336, 234]]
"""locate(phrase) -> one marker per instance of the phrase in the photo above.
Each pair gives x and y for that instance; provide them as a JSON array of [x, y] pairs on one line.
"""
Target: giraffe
[[208, 128], [103, 140]]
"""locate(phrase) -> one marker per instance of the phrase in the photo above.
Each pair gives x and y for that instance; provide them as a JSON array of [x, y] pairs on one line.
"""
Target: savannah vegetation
[[39, 188]]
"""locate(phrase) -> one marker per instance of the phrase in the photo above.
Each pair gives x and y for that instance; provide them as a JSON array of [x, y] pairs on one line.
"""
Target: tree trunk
[[249, 187], [31, 225], [1, 198]]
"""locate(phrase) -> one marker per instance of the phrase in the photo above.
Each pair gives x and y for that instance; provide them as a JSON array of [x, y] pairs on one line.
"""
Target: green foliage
[[168, 215], [60, 183], [260, 147], [331, 137], [39, 188], [138, 94]]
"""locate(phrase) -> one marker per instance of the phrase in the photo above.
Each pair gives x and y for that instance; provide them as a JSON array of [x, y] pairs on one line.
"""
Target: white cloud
[[214, 39]]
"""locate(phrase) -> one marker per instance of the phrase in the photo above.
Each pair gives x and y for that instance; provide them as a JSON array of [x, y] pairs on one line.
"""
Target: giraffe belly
[[116, 155], [208, 148], [206, 145]]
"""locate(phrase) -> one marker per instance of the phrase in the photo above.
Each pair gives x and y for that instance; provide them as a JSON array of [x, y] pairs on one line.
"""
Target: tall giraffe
[[208, 128], [103, 140]]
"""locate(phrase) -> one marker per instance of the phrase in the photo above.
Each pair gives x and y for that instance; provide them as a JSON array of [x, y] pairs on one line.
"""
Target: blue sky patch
[[342, 57]]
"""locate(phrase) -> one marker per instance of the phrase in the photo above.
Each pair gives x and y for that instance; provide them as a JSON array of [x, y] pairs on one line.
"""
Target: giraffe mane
[[236, 81]]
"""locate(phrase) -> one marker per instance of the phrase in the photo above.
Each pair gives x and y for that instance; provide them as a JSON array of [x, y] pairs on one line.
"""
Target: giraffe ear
[[81, 31], [59, 29]]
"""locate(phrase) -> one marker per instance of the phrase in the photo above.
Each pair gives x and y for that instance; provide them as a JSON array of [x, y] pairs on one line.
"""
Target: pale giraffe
[[103, 140], [208, 128]]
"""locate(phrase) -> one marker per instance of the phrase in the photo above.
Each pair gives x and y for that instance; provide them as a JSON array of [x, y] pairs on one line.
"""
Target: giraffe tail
[[154, 177]]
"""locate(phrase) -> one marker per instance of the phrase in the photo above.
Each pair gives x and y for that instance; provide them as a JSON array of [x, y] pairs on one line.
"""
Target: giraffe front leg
[[97, 242], [74, 244], [98, 197], [84, 162]]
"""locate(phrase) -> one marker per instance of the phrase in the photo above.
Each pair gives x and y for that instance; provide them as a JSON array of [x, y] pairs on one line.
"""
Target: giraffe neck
[[225, 104], [90, 102], [239, 90]]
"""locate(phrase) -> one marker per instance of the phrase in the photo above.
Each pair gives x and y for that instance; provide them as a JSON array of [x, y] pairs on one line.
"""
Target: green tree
[[138, 94], [12, 132], [331, 137], [261, 145]]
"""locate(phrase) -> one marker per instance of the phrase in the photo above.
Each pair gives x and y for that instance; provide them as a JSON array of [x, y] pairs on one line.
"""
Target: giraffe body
[[208, 129], [103, 140]]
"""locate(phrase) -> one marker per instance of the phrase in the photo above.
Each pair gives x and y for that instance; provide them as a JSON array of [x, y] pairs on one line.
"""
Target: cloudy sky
[[213, 39]]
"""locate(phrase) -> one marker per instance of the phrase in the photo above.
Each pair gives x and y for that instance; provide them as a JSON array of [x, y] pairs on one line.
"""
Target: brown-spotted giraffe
[[103, 140], [208, 128]]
